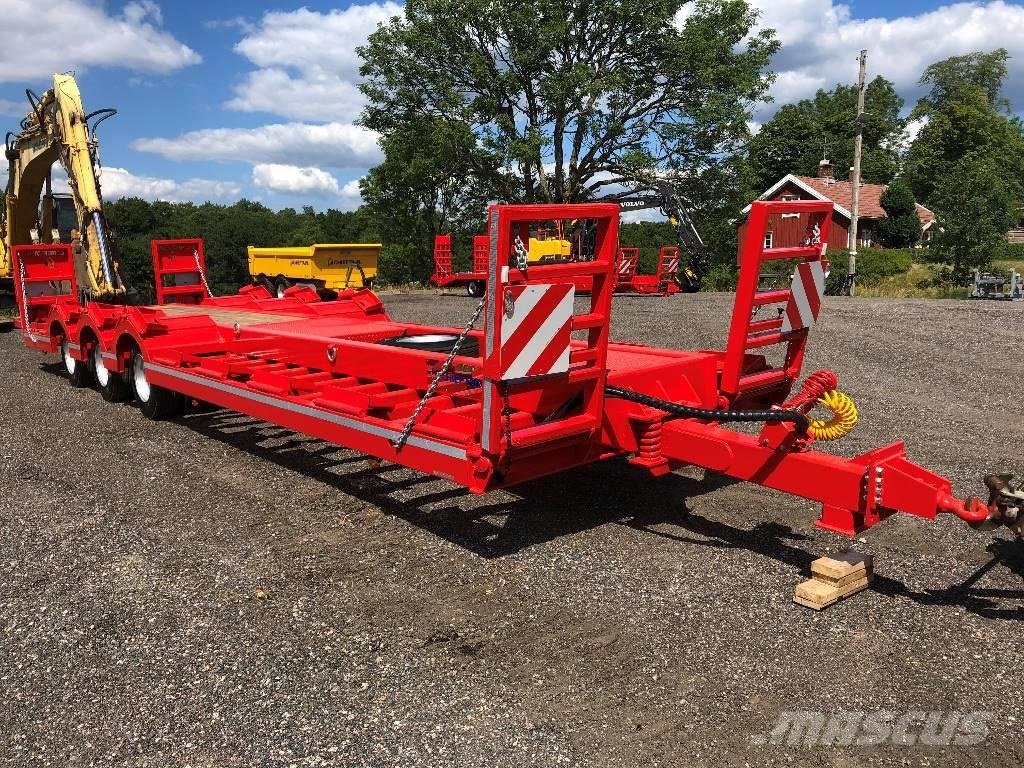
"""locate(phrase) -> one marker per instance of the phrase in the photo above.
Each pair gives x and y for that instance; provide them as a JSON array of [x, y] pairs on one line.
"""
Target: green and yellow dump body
[[332, 267]]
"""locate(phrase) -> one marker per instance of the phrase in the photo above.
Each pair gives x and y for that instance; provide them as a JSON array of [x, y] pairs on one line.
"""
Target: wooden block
[[854, 587], [819, 594], [815, 594], [837, 568]]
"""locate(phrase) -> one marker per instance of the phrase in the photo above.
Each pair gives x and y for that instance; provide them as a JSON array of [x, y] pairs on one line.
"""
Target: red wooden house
[[789, 229]]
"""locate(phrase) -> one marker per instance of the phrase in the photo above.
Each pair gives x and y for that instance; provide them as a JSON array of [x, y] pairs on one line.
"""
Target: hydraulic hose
[[710, 414]]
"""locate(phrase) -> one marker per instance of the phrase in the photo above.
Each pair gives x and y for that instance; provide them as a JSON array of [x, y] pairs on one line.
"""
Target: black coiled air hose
[[709, 414]]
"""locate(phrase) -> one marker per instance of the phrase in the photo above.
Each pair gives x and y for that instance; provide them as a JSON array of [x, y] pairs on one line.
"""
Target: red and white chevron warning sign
[[536, 330], [670, 264], [808, 287]]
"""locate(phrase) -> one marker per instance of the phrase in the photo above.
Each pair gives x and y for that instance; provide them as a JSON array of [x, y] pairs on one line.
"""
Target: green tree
[[976, 78], [965, 115], [902, 226], [434, 180], [795, 139], [975, 205], [569, 99]]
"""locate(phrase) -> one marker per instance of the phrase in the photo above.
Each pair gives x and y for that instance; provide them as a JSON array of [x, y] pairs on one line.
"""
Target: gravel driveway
[[219, 592]]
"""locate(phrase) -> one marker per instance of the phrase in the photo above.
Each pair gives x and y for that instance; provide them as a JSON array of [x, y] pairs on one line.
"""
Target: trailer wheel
[[77, 371], [155, 402], [267, 283], [111, 384], [475, 288], [280, 287]]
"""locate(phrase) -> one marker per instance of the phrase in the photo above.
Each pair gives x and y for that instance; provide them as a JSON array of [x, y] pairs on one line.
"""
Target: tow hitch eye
[[1005, 505]]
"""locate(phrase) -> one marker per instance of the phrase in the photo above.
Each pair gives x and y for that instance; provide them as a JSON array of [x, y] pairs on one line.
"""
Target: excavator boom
[[57, 130]]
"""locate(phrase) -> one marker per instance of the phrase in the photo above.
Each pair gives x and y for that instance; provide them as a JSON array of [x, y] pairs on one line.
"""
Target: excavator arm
[[57, 129]]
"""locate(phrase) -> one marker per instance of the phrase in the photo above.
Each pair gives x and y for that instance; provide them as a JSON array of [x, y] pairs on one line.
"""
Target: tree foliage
[[433, 180], [799, 134], [974, 79], [548, 101], [902, 227], [968, 160], [976, 206], [226, 231], [965, 116], [572, 97]]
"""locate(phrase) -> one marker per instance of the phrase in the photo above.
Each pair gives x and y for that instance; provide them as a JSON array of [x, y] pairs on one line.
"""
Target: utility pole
[[858, 145]]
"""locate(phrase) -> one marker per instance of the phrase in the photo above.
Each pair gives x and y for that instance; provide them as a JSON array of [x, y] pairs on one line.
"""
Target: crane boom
[[666, 198], [57, 129]]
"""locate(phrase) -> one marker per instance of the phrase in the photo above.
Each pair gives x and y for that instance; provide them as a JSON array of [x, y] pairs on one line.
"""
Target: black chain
[[507, 413]]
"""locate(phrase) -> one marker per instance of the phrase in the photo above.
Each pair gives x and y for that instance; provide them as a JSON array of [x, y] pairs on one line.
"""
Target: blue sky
[[229, 99]]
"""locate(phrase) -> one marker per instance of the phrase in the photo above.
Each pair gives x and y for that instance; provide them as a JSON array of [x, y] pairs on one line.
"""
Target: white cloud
[[77, 34], [119, 182], [291, 179], [311, 181], [821, 41], [332, 145], [308, 68]]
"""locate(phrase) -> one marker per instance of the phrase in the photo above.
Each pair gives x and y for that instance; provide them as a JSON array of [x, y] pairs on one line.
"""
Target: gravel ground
[[219, 592]]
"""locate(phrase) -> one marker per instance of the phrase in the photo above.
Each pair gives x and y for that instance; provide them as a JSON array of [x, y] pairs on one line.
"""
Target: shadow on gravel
[[567, 504], [493, 525], [503, 523], [983, 601]]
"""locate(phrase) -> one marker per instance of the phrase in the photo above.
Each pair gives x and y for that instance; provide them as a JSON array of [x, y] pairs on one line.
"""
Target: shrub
[[721, 277], [873, 263]]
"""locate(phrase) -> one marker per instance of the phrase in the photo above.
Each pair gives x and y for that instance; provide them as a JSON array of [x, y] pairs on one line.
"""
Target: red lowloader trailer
[[540, 388]]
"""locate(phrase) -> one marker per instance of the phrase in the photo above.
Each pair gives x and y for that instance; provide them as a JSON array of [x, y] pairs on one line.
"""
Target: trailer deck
[[539, 389]]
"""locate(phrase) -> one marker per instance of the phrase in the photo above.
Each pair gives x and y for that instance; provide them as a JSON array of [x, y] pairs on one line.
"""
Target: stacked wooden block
[[833, 578]]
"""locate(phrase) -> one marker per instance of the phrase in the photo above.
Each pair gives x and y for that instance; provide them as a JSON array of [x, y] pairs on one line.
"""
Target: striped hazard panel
[[536, 330], [805, 303]]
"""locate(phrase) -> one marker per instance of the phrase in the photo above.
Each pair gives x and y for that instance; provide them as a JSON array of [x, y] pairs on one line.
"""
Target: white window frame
[[769, 240]]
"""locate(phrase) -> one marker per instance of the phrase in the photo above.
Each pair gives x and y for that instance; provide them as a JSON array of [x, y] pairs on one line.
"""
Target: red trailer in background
[[665, 281], [444, 270], [540, 388]]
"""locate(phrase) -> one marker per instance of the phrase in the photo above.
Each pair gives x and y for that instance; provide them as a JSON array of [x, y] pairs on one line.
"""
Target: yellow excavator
[[58, 129]]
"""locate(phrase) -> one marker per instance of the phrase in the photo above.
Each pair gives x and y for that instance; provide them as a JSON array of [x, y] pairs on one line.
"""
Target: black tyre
[[280, 286], [435, 342], [111, 384], [76, 370], [475, 288], [155, 402], [267, 283]]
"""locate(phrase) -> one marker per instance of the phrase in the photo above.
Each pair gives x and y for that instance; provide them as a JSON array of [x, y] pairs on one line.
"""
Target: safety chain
[[24, 302], [507, 413], [202, 274], [441, 373], [522, 255]]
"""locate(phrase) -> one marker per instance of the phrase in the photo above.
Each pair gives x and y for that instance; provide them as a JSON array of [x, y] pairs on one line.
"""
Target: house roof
[[841, 193]]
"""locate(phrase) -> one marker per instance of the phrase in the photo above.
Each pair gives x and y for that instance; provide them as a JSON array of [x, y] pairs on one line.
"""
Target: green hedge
[[872, 263], [1009, 252]]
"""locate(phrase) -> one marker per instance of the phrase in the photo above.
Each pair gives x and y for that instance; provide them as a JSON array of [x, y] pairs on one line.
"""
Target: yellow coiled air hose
[[842, 421]]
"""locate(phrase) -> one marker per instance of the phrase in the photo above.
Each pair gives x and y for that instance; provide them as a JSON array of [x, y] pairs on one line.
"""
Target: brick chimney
[[825, 171]]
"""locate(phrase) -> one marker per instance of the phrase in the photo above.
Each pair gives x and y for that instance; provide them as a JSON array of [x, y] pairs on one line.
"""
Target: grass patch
[[921, 281], [1005, 265]]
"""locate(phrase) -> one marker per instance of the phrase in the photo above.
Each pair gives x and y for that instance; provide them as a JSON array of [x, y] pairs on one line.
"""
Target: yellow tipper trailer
[[324, 266]]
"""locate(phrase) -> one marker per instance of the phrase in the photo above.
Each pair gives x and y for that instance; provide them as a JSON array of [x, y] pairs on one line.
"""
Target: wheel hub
[[65, 352], [142, 387], [102, 374]]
